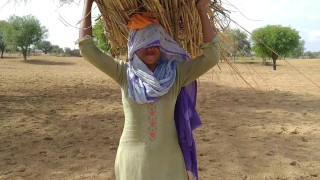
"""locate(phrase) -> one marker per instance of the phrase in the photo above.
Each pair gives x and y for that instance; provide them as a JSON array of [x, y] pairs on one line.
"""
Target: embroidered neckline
[[152, 122]]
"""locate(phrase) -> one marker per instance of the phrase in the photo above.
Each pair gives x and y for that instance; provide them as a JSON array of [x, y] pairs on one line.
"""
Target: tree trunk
[[24, 53], [274, 59], [2, 50], [274, 64]]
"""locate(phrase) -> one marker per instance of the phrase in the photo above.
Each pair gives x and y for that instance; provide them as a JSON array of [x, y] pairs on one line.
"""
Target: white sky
[[302, 15]]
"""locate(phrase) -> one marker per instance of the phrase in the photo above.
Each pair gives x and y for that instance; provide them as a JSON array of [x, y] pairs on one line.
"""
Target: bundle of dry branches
[[179, 18]]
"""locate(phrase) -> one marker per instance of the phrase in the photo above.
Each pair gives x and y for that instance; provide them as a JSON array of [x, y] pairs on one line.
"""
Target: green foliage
[[73, 53], [100, 39], [6, 35], [27, 30], [67, 51], [240, 43], [56, 50], [282, 40], [312, 55], [2, 43], [45, 46]]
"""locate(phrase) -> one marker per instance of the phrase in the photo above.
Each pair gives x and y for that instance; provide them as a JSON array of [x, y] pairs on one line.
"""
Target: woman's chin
[[151, 60], [150, 63]]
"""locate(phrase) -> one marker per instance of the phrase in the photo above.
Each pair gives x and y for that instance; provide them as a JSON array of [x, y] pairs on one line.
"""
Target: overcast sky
[[302, 15]]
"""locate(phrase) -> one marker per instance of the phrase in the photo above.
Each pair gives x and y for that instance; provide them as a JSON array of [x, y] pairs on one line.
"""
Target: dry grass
[[178, 17]]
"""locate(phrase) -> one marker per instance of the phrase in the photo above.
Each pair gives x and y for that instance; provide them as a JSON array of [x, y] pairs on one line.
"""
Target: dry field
[[60, 118]]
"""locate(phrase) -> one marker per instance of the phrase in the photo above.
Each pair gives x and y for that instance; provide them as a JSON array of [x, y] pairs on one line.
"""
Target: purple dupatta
[[187, 119]]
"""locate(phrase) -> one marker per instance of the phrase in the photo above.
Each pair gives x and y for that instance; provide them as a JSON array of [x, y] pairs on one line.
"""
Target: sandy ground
[[60, 118]]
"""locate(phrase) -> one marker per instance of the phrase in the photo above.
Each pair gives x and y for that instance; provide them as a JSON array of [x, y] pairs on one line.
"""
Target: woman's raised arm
[[86, 24], [89, 51], [207, 27], [191, 70]]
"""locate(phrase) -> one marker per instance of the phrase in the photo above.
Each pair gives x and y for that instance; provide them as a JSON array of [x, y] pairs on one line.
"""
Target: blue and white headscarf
[[146, 86]]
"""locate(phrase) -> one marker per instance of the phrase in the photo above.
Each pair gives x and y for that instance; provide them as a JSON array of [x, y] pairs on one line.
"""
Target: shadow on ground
[[44, 62]]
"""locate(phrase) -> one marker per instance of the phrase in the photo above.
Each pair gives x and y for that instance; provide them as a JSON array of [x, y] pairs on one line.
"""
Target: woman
[[155, 86]]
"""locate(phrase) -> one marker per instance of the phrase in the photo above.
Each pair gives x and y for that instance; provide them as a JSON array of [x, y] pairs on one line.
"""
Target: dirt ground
[[60, 118]]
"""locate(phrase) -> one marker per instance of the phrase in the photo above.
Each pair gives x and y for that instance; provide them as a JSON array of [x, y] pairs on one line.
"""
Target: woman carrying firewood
[[158, 94]]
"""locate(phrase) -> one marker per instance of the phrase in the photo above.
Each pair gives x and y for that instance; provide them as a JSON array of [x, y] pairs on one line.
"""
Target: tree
[[45, 46], [71, 53], [240, 44], [2, 45], [5, 36], [75, 53], [67, 51], [311, 55], [57, 50], [282, 41], [100, 38], [27, 30]]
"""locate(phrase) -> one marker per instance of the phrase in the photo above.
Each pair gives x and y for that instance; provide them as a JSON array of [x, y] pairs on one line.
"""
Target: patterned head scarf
[[146, 86]]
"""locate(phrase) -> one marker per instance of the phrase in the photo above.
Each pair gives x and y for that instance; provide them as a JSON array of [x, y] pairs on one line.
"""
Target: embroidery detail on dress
[[152, 122]]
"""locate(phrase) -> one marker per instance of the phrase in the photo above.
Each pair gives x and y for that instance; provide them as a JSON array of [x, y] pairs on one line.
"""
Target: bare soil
[[61, 118]]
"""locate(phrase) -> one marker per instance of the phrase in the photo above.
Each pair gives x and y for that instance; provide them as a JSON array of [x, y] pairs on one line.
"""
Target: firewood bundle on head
[[178, 17]]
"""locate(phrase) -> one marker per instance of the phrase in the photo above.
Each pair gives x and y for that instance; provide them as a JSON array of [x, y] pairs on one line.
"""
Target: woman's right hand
[[88, 3], [86, 24], [207, 27]]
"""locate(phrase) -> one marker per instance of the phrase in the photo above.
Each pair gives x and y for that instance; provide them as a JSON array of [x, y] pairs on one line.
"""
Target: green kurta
[[149, 148]]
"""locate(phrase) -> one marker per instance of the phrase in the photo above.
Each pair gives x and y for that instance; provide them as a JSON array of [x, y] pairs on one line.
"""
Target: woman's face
[[150, 56]]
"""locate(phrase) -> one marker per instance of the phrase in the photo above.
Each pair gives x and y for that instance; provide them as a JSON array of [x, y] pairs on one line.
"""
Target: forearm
[[191, 70], [208, 29], [86, 24], [104, 62]]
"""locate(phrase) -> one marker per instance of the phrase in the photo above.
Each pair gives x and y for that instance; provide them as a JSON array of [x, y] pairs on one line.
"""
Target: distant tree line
[[26, 35], [269, 42]]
